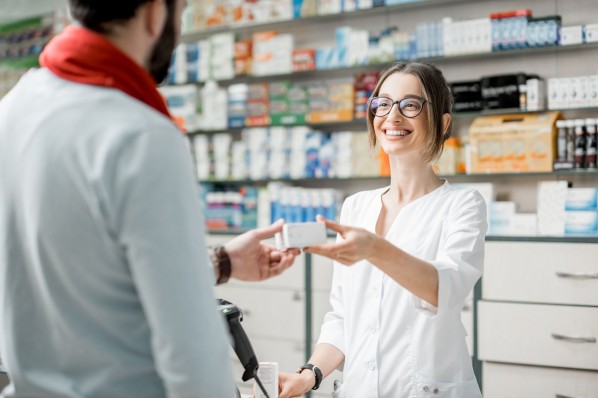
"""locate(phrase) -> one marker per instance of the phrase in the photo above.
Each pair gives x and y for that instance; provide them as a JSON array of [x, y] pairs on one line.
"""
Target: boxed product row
[[527, 92], [230, 207], [576, 144], [223, 56], [290, 103], [204, 14], [572, 212], [533, 142], [513, 143], [573, 92], [25, 41], [511, 91], [26, 38], [561, 211], [284, 153], [265, 104]]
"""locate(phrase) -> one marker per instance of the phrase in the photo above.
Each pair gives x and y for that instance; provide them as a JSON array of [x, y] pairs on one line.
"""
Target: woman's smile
[[394, 132]]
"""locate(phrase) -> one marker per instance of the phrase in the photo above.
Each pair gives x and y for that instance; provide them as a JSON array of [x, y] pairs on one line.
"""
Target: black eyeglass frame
[[398, 103]]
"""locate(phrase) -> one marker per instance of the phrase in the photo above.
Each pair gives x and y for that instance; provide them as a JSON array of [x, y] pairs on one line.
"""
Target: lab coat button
[[426, 389], [372, 365], [435, 391], [373, 329]]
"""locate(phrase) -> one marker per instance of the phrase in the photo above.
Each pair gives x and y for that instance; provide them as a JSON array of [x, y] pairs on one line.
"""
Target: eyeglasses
[[409, 107]]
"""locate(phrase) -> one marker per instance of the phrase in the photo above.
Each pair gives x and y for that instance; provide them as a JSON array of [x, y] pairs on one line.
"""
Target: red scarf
[[83, 56]]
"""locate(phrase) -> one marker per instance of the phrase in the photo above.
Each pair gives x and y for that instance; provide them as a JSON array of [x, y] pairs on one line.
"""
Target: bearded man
[[105, 279]]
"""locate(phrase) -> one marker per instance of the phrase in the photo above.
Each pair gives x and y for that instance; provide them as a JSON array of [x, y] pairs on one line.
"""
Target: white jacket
[[395, 344], [106, 287]]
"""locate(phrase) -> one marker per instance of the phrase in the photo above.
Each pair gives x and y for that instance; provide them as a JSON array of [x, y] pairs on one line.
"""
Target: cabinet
[[538, 319]]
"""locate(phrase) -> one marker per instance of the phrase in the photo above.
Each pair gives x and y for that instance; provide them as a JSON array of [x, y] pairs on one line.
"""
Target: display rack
[[344, 71], [310, 21], [490, 176], [360, 124]]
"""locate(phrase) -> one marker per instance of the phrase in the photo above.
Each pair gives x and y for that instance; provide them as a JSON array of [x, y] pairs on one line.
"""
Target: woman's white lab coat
[[395, 344]]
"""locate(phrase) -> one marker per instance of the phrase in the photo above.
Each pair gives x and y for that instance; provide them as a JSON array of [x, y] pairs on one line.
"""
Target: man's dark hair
[[99, 15]]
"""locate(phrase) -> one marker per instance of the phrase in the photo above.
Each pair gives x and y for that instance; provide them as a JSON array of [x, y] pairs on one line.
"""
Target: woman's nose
[[395, 112]]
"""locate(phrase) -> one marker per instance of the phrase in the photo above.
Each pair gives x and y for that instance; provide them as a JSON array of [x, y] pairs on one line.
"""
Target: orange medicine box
[[513, 143]]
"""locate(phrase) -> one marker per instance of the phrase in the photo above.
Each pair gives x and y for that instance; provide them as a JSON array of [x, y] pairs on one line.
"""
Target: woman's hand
[[357, 244], [293, 385]]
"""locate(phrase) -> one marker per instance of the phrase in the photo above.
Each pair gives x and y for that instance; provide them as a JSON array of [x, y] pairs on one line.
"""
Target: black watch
[[317, 373]]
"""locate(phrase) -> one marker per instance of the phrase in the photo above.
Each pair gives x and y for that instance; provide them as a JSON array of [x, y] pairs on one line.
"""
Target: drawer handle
[[576, 276], [573, 339], [563, 396]]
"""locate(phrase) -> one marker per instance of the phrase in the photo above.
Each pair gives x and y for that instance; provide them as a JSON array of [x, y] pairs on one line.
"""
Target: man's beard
[[162, 54]]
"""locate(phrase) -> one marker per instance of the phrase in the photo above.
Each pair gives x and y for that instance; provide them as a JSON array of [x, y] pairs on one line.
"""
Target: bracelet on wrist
[[316, 371], [221, 262]]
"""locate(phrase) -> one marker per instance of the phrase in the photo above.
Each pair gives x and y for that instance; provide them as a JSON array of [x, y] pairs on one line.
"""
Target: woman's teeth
[[398, 133]]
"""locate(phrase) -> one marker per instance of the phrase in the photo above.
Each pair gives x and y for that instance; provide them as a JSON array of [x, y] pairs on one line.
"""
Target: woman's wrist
[[309, 380]]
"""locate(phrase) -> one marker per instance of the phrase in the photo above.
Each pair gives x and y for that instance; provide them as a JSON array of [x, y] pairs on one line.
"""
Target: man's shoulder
[[100, 105]]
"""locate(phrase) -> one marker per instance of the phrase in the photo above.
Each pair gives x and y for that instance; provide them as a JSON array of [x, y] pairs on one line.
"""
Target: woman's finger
[[332, 225]]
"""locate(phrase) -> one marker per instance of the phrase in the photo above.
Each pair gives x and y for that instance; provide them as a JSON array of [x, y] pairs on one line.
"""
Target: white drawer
[[562, 273], [516, 381], [269, 312], [528, 334]]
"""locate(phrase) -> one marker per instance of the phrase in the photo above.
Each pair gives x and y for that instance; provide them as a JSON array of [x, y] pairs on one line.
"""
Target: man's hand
[[253, 261]]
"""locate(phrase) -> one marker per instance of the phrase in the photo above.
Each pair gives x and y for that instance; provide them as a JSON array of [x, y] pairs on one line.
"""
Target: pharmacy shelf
[[360, 124], [319, 74], [489, 176], [510, 111], [571, 172], [353, 125], [29, 61], [548, 239], [489, 238], [304, 22]]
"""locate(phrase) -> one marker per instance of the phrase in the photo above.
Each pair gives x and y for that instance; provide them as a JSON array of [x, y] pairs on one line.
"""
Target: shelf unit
[[344, 71], [553, 61], [360, 124], [303, 22], [557, 174]]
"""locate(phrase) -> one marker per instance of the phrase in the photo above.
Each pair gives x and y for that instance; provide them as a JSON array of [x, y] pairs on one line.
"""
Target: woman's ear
[[155, 17], [446, 122]]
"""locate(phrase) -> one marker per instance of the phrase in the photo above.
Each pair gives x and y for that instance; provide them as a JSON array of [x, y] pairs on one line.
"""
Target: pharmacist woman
[[406, 257]]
